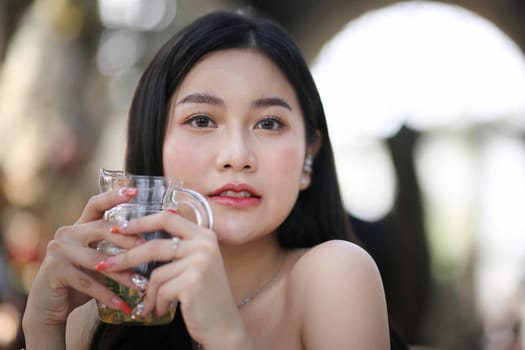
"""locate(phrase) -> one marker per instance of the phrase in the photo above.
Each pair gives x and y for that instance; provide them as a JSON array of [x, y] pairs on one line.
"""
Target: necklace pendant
[[244, 301]]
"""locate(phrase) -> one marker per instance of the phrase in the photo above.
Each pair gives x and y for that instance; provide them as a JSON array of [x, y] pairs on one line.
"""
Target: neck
[[250, 266]]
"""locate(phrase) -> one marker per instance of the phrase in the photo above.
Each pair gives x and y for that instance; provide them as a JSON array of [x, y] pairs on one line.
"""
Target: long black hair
[[317, 216]]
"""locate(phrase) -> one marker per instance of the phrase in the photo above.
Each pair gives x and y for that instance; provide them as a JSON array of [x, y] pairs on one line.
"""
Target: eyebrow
[[271, 101], [202, 98], [214, 100]]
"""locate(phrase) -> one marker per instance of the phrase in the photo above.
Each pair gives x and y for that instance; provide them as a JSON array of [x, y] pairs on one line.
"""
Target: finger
[[173, 224], [89, 233], [98, 204], [77, 255], [165, 299], [85, 284], [86, 258], [154, 250], [125, 279], [159, 277]]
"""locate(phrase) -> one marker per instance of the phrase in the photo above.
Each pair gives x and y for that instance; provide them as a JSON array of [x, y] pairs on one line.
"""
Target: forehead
[[237, 59], [244, 70]]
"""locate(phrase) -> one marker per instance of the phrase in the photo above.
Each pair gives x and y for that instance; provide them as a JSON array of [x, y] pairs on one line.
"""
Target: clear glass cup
[[155, 193]]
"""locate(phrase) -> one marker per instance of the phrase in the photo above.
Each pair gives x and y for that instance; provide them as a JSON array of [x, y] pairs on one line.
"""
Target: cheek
[[287, 163], [292, 160], [283, 185], [179, 158]]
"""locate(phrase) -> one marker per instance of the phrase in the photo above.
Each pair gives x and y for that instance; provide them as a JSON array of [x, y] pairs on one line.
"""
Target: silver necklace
[[261, 288]]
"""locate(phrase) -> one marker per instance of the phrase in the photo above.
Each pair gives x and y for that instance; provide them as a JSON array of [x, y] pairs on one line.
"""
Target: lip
[[237, 202]]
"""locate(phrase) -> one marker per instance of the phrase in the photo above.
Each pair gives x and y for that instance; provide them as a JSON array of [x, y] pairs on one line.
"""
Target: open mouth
[[235, 191], [241, 194]]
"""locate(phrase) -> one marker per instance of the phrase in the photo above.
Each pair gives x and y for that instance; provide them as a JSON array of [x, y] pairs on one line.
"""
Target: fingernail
[[127, 192], [175, 242], [119, 227], [123, 225], [138, 311], [139, 281], [106, 263], [121, 305], [173, 211]]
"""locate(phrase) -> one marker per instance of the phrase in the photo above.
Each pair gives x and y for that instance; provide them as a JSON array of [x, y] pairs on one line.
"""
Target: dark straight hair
[[318, 214]]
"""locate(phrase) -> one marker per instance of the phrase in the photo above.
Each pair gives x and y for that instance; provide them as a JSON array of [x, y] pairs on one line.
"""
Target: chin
[[235, 234], [232, 238]]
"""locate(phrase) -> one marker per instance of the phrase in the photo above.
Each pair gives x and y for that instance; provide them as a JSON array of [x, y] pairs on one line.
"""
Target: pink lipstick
[[236, 195]]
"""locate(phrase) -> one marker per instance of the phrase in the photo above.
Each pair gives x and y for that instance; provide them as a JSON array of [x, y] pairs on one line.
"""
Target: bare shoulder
[[336, 252], [330, 260], [339, 291]]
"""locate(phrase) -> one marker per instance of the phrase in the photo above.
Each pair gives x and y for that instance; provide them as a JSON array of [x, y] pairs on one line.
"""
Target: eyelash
[[275, 120], [278, 123], [194, 118]]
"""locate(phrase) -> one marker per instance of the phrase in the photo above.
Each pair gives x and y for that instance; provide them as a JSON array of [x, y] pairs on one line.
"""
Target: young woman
[[229, 106]]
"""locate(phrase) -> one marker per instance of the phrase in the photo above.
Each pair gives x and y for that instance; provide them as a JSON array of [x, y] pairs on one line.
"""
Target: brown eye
[[201, 121], [270, 123]]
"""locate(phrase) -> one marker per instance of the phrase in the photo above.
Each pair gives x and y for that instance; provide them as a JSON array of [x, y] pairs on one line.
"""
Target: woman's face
[[236, 135]]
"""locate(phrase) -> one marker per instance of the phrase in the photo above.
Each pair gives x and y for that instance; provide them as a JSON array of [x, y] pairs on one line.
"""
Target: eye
[[200, 121], [270, 123]]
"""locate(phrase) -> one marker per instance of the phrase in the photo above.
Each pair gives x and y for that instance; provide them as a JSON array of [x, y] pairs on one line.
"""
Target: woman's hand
[[194, 276], [66, 278]]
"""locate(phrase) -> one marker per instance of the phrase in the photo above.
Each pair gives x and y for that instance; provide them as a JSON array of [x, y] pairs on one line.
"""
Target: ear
[[311, 150], [313, 147]]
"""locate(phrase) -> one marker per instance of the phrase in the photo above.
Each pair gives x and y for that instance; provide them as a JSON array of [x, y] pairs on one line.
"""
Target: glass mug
[[155, 194]]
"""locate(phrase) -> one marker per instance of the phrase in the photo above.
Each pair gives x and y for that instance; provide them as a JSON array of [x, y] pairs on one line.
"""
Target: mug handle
[[193, 199]]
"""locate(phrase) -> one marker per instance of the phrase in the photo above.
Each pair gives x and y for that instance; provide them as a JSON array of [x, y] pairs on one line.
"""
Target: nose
[[236, 153]]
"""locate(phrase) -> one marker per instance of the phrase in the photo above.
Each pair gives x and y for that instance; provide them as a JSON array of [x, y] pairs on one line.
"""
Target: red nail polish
[[128, 191], [131, 191], [119, 227], [121, 305], [106, 263], [173, 211]]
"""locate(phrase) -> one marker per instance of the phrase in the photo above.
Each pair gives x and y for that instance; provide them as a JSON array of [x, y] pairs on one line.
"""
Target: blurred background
[[426, 108]]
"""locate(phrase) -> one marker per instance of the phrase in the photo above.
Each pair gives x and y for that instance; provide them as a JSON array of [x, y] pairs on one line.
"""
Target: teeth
[[242, 194]]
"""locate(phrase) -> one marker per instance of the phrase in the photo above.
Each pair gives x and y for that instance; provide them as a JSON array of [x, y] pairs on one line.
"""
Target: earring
[[308, 163], [305, 180]]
